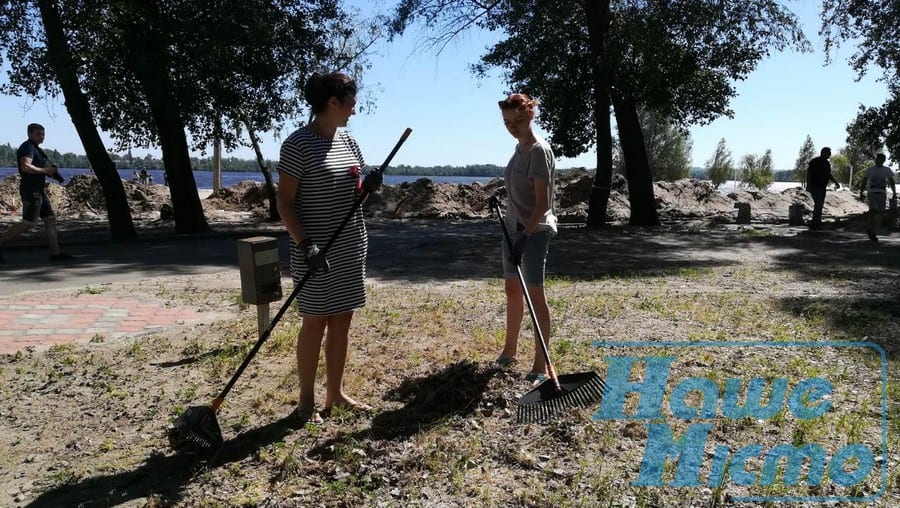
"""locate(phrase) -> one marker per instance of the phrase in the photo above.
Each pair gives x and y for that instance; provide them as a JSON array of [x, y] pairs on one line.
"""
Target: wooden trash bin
[[743, 216], [795, 215]]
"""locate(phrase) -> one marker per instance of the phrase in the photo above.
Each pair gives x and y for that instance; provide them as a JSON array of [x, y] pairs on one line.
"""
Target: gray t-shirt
[[535, 163], [877, 178]]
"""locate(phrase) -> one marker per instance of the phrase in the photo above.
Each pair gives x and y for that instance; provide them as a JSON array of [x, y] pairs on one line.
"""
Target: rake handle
[[537, 329], [360, 198]]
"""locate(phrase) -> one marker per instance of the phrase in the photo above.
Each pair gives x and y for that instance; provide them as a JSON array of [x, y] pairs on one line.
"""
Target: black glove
[[56, 176], [373, 181], [494, 202], [518, 247], [315, 258]]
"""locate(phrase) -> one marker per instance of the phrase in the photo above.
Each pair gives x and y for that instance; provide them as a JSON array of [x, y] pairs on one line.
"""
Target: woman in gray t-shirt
[[529, 177]]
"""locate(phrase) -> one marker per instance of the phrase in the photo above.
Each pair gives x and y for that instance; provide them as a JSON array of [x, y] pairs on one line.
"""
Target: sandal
[[310, 416], [504, 362], [536, 377]]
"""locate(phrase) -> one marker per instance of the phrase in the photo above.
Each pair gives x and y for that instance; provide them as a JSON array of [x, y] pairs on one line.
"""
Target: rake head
[[197, 429], [544, 401]]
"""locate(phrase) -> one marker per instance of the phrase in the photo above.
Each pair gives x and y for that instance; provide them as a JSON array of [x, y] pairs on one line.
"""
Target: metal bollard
[[260, 275]]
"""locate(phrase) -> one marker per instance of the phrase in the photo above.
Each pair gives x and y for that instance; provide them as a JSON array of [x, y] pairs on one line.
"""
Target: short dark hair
[[34, 127], [879, 158], [321, 87]]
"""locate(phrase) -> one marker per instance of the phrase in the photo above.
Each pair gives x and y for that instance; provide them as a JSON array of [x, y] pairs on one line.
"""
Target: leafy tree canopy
[[240, 61]]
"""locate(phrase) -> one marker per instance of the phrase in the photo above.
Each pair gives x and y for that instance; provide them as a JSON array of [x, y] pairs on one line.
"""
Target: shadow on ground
[[869, 319], [427, 250], [457, 389]]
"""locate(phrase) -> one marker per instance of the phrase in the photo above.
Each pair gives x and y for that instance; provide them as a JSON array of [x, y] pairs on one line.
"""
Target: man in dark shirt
[[34, 168], [817, 176]]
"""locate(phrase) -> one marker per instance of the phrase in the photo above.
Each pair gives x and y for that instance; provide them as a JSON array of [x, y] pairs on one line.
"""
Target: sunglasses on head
[[506, 104]]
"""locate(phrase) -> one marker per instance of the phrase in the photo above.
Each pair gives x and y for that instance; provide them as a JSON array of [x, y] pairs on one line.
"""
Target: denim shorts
[[534, 258], [877, 201], [35, 205]]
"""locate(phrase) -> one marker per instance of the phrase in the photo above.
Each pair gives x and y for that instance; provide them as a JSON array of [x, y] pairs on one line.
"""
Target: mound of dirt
[[82, 196]]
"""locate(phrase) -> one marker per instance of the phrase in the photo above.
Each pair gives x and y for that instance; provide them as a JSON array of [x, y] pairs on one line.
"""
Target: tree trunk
[[267, 175], [598, 29], [637, 167], [152, 70], [121, 226]]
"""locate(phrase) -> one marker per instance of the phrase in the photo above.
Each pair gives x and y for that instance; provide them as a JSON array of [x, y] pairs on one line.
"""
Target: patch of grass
[[137, 350], [63, 476], [90, 290], [58, 349]]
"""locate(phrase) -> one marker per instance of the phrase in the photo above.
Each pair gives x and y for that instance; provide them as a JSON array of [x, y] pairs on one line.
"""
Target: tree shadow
[[873, 319], [162, 475], [835, 255], [456, 390], [455, 250]]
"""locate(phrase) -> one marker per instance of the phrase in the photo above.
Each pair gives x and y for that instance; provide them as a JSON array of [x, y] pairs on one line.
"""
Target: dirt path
[[84, 424]]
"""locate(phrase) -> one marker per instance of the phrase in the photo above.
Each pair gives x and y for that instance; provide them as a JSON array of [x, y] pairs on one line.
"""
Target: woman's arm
[[287, 194], [541, 204]]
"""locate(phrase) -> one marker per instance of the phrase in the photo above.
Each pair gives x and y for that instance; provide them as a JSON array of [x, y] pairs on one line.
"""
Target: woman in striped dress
[[319, 178]]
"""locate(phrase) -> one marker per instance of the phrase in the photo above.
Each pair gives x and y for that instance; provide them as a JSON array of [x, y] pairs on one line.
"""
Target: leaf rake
[[557, 394], [197, 429]]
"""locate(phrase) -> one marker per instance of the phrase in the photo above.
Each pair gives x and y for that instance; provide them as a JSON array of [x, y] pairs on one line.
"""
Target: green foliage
[[720, 168], [806, 154], [867, 25], [668, 149], [240, 61], [678, 59], [757, 171], [863, 142], [840, 167]]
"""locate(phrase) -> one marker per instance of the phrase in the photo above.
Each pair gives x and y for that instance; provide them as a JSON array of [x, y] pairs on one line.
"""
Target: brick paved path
[[35, 320]]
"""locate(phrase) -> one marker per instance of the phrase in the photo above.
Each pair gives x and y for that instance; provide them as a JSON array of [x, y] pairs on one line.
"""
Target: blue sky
[[455, 120]]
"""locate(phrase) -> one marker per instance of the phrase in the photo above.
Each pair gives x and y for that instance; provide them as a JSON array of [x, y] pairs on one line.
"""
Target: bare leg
[[542, 313], [515, 310], [336, 359], [309, 342]]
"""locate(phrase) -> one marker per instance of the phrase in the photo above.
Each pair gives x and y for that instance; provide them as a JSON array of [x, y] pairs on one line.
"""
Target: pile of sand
[[82, 196]]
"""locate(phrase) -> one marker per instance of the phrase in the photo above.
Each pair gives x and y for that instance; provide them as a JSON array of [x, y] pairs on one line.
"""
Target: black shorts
[[34, 205]]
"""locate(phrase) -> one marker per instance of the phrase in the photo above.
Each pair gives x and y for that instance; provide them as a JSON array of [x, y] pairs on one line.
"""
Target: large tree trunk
[[152, 71], [121, 226], [598, 30], [267, 175], [637, 167]]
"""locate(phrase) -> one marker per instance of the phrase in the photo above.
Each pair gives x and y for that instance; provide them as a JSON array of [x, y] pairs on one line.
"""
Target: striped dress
[[329, 171]]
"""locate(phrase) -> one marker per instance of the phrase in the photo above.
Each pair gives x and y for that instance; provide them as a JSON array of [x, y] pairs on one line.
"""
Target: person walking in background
[[529, 178], [818, 175], [319, 178], [876, 179], [34, 168]]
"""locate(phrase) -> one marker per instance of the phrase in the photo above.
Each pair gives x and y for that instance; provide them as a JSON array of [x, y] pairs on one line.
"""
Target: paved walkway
[[39, 320]]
